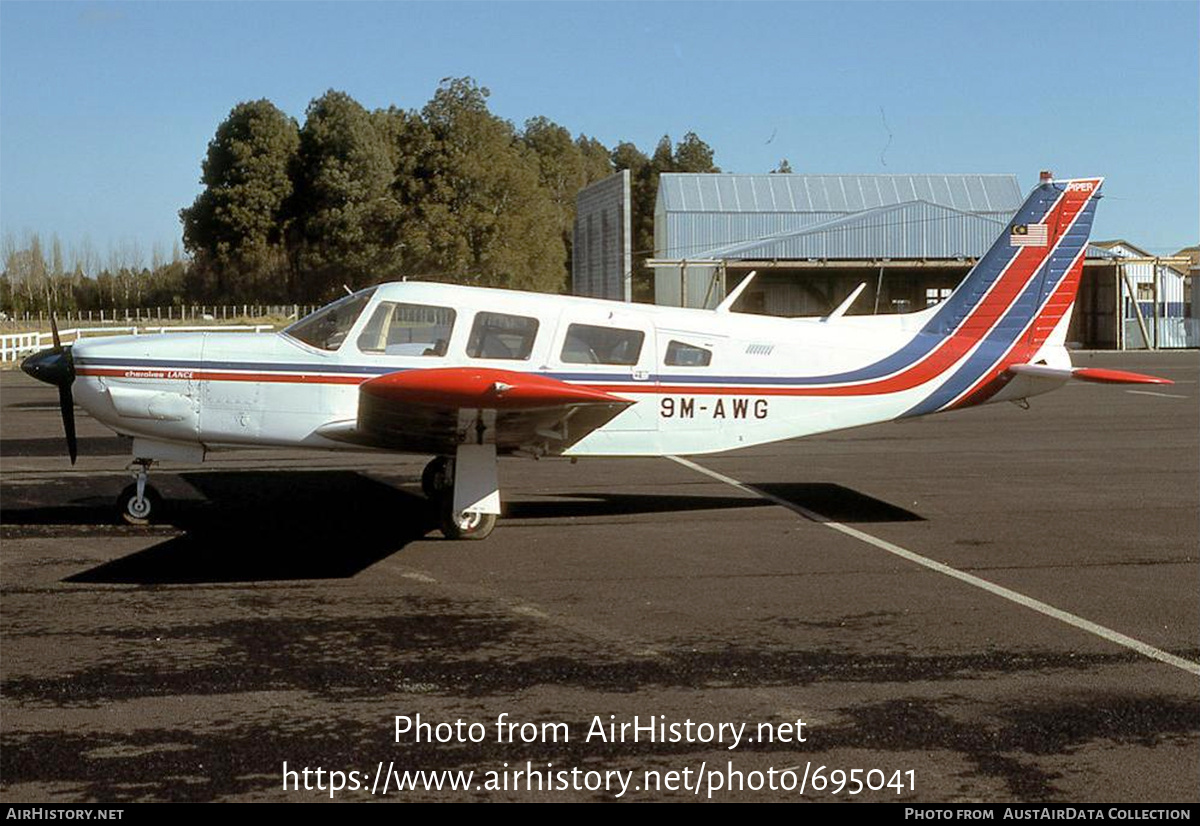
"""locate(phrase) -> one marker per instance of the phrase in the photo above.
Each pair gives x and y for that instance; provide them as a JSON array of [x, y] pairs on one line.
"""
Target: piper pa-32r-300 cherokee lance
[[467, 374]]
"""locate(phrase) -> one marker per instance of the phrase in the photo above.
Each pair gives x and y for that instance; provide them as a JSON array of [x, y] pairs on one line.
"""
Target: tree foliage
[[238, 221], [76, 279], [477, 212], [565, 166], [343, 210], [292, 212], [689, 155]]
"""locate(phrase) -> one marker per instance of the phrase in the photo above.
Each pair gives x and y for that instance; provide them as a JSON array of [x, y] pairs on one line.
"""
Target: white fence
[[190, 312], [15, 345]]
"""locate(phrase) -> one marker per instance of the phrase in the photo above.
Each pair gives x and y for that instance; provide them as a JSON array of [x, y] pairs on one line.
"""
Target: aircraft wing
[[435, 410]]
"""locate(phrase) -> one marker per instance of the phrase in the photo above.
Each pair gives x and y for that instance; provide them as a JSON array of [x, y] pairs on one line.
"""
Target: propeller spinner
[[55, 366]]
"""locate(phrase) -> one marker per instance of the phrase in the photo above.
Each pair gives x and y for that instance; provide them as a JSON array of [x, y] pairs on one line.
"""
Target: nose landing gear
[[140, 503]]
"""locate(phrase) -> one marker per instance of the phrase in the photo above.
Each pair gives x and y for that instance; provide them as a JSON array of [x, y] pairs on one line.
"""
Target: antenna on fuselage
[[348, 290], [725, 305], [845, 305]]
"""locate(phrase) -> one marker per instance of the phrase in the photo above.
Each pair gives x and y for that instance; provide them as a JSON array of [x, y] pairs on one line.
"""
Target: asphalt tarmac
[[992, 605]]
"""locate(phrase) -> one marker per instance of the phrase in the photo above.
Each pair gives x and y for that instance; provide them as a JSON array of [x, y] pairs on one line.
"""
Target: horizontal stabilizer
[[1099, 375], [1103, 376]]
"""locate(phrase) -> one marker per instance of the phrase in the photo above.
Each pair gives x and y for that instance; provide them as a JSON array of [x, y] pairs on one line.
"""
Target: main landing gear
[[438, 481], [140, 503]]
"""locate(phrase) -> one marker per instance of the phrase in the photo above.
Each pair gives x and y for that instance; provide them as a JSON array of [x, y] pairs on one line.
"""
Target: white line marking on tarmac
[[1160, 395], [999, 590], [594, 630]]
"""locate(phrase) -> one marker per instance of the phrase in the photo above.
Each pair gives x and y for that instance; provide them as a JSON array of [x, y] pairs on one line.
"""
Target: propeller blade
[[66, 403], [57, 367]]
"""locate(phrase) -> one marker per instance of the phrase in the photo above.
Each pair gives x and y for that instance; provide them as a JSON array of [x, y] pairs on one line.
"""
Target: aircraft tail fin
[[1016, 300], [1030, 275]]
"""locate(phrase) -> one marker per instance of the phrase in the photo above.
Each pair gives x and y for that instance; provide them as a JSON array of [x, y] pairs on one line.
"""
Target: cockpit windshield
[[327, 327]]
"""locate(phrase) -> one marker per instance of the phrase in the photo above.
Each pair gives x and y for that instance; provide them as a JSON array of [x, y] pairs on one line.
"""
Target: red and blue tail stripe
[[1027, 321]]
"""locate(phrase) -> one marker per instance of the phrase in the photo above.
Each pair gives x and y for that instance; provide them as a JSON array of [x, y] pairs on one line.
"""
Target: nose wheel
[[140, 503]]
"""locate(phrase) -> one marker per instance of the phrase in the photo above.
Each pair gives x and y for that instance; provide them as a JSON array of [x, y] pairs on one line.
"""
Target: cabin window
[[407, 330], [687, 355], [586, 344], [327, 327], [500, 336]]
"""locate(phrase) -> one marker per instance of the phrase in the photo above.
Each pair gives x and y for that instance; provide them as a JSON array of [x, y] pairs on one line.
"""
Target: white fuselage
[[702, 381]]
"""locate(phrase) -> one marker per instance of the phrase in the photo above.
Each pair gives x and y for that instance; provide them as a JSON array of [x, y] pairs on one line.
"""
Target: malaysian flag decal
[[1028, 235]]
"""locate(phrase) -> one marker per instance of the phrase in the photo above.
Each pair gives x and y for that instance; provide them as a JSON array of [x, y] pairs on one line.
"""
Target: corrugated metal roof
[[708, 192], [1095, 250], [915, 229]]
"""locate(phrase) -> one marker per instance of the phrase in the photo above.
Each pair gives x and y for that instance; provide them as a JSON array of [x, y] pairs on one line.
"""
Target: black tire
[[434, 479], [464, 526], [149, 510]]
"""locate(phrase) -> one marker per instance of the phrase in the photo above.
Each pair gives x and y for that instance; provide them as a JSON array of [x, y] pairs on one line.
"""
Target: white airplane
[[467, 374]]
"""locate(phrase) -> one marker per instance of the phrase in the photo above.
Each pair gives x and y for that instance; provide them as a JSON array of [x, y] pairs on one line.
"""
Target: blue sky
[[106, 109]]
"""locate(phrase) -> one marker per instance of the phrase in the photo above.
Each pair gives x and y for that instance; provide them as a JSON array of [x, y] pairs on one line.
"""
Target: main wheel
[[459, 525], [139, 513], [435, 479]]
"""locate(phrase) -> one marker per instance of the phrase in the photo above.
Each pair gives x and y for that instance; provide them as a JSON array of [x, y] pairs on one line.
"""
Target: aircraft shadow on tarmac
[[835, 502], [580, 504], [275, 526], [286, 525], [255, 526]]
